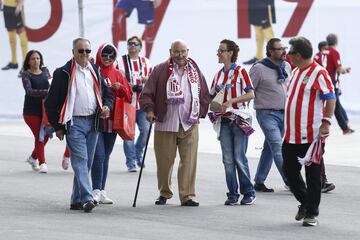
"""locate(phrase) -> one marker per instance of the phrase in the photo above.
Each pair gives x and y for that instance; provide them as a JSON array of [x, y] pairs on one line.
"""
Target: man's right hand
[[60, 134], [150, 116]]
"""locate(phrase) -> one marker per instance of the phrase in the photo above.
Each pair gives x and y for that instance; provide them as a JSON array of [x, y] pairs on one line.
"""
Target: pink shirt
[[177, 113]]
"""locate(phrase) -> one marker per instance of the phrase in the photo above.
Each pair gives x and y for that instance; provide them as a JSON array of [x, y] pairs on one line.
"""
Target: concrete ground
[[36, 206]]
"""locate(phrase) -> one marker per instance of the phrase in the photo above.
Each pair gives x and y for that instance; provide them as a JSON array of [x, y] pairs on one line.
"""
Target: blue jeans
[[272, 125], [134, 151], [99, 170], [81, 139], [233, 146]]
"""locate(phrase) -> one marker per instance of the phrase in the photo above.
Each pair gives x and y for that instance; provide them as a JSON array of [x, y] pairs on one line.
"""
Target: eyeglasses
[[280, 49], [108, 56], [136, 44], [82, 51], [220, 51], [177, 53]]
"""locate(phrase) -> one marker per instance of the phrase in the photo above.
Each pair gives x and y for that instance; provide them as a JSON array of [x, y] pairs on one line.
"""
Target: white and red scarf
[[68, 106], [314, 153], [174, 91]]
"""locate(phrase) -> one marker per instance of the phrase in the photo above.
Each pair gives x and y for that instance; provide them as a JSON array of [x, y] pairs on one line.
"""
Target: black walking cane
[[142, 166]]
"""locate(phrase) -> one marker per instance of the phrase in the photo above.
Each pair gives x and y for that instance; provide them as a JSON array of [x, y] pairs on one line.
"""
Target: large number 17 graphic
[[291, 30]]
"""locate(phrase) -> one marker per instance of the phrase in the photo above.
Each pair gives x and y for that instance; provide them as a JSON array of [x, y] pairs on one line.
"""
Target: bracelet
[[326, 119]]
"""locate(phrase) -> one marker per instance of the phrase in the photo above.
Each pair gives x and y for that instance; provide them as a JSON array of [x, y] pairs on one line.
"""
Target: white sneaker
[[33, 163], [65, 163], [96, 195], [43, 168], [104, 198]]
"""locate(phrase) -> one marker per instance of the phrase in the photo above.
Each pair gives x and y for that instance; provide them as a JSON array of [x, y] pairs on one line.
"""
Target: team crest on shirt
[[305, 80]]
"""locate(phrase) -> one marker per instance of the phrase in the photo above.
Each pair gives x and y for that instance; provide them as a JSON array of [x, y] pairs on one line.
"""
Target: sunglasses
[[136, 44], [82, 51], [108, 56]]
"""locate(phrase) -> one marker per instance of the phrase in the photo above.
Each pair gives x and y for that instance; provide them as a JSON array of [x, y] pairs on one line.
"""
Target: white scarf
[[175, 94]]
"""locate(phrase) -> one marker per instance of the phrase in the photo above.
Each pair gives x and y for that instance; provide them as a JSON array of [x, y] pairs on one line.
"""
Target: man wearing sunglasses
[[77, 98], [175, 97], [270, 77], [137, 70]]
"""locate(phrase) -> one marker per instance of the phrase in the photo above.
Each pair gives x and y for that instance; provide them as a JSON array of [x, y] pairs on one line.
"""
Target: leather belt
[[87, 116]]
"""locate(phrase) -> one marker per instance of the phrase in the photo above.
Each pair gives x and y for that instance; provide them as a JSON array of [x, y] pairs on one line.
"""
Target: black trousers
[[308, 194], [340, 113]]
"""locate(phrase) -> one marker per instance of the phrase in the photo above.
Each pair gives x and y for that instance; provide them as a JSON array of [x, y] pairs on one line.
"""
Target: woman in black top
[[35, 81]]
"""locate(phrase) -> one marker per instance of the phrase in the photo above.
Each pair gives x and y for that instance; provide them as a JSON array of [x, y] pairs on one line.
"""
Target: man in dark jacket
[[77, 98], [175, 97]]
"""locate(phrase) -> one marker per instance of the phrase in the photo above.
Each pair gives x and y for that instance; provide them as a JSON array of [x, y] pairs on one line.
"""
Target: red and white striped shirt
[[237, 82], [307, 91], [134, 70]]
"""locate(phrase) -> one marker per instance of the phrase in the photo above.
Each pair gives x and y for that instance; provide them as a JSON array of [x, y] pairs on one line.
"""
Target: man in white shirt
[[77, 98]]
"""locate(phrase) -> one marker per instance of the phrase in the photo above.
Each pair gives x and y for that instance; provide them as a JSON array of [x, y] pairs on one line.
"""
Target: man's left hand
[[105, 112], [324, 130]]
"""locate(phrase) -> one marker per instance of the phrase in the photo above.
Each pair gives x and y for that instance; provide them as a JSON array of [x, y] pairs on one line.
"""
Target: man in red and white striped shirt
[[137, 70], [309, 106]]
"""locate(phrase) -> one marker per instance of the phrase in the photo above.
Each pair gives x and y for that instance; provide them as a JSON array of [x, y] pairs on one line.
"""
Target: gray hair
[[76, 40], [332, 39]]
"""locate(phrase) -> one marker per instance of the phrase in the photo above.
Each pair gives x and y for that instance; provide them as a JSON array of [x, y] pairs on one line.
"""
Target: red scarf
[[68, 106]]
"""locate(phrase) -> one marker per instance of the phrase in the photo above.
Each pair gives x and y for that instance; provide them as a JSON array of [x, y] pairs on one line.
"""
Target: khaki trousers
[[165, 146], [261, 35]]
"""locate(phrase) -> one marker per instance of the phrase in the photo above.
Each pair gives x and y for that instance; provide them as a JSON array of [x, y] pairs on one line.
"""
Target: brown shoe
[[190, 203], [348, 131]]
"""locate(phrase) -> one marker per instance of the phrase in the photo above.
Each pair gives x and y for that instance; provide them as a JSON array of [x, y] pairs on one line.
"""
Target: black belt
[[87, 116], [271, 109]]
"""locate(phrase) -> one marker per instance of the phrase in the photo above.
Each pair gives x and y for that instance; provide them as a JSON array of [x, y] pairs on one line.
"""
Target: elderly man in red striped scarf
[[77, 98]]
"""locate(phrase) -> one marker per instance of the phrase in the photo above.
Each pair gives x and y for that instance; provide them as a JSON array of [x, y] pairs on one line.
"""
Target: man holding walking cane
[[179, 83]]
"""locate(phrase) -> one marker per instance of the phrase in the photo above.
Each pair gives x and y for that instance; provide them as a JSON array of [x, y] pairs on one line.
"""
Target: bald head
[[179, 52], [178, 42]]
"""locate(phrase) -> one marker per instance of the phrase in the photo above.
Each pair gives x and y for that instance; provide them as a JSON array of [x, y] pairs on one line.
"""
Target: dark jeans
[[100, 165], [308, 194], [340, 113]]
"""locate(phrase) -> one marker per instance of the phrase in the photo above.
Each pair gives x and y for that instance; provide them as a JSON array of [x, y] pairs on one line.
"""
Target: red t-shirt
[[330, 60]]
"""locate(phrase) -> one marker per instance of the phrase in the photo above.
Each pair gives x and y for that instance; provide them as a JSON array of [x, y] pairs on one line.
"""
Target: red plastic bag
[[124, 119]]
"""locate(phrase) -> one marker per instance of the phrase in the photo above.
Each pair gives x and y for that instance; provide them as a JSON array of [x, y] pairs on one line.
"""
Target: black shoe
[[327, 187], [190, 203], [310, 221], [260, 187], [76, 206], [300, 215], [251, 61], [20, 74], [161, 200], [88, 206], [10, 65]]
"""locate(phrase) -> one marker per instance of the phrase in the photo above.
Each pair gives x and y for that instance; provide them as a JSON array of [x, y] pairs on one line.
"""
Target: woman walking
[[105, 58], [232, 121], [35, 79]]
